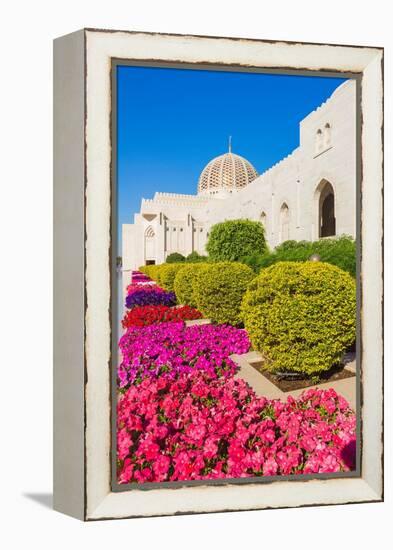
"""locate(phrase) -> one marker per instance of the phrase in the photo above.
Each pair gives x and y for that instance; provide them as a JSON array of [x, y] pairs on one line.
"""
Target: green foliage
[[339, 251], [235, 239], [218, 290], [257, 261], [183, 284], [195, 257], [175, 258], [158, 272], [291, 245], [166, 275], [150, 270], [301, 316]]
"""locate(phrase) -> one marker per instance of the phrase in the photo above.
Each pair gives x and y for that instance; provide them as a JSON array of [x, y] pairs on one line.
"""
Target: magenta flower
[[169, 349], [198, 427]]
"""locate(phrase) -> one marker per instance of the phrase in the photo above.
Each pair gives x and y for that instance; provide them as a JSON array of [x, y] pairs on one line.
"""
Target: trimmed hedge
[[234, 239], [166, 274], [218, 289], [144, 269], [195, 257], [301, 316], [150, 270], [183, 284], [339, 251], [158, 272], [175, 258]]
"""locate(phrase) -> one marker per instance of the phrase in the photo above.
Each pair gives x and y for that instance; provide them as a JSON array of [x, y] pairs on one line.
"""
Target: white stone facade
[[307, 195]]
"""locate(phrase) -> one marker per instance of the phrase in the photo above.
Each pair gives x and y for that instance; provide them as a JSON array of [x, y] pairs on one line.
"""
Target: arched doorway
[[284, 223], [326, 210], [150, 249]]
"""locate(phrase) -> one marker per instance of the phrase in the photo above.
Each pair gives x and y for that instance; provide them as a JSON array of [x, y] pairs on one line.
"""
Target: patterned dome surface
[[227, 172]]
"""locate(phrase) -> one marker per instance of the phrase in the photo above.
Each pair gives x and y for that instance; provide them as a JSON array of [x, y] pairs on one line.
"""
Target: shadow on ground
[[45, 499]]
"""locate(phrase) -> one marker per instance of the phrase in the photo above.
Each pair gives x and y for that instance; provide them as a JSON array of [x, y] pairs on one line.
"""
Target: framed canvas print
[[218, 274]]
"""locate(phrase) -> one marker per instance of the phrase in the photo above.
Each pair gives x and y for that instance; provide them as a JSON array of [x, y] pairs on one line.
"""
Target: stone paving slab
[[193, 322], [259, 383], [263, 387], [350, 362]]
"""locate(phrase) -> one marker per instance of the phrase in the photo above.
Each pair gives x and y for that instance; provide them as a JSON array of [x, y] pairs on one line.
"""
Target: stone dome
[[226, 174]]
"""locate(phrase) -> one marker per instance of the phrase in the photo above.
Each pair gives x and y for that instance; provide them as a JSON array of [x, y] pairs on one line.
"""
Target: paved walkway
[[262, 386], [193, 322]]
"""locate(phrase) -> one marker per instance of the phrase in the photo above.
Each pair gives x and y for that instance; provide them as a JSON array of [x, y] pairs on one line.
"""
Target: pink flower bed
[[196, 427], [182, 415], [141, 282], [138, 277], [149, 286], [167, 350]]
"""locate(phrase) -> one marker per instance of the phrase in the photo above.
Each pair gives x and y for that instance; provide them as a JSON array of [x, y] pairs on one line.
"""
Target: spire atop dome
[[230, 144]]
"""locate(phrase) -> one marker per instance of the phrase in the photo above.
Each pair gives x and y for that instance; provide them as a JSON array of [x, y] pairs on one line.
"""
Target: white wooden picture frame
[[83, 255]]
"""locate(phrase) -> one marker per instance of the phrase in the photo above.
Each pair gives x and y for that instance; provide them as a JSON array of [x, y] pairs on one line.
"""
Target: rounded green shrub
[[175, 258], [292, 245], [183, 284], [153, 271], [158, 271], [234, 239], [218, 289], [166, 275], [195, 257], [301, 316], [149, 270], [339, 251]]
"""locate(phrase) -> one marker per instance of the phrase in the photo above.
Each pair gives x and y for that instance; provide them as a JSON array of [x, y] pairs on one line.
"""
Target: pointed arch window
[[318, 141], [263, 219], [149, 244], [326, 208], [327, 136], [284, 223], [323, 139]]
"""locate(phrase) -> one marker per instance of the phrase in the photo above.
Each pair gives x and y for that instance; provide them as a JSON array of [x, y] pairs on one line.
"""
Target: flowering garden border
[[182, 415], [82, 473]]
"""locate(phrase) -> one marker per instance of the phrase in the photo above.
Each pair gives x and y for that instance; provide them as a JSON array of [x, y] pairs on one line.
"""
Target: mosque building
[[308, 195]]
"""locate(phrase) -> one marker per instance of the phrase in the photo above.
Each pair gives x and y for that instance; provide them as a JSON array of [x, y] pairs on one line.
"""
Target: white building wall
[[294, 180], [327, 151], [337, 161]]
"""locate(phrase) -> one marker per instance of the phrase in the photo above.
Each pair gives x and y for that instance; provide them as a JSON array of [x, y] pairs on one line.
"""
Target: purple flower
[[152, 296]]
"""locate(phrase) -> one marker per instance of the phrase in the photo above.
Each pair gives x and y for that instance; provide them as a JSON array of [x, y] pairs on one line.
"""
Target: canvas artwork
[[237, 321], [218, 281]]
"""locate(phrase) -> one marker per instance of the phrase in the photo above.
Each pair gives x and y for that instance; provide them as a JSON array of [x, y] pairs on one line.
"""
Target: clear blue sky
[[171, 122]]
